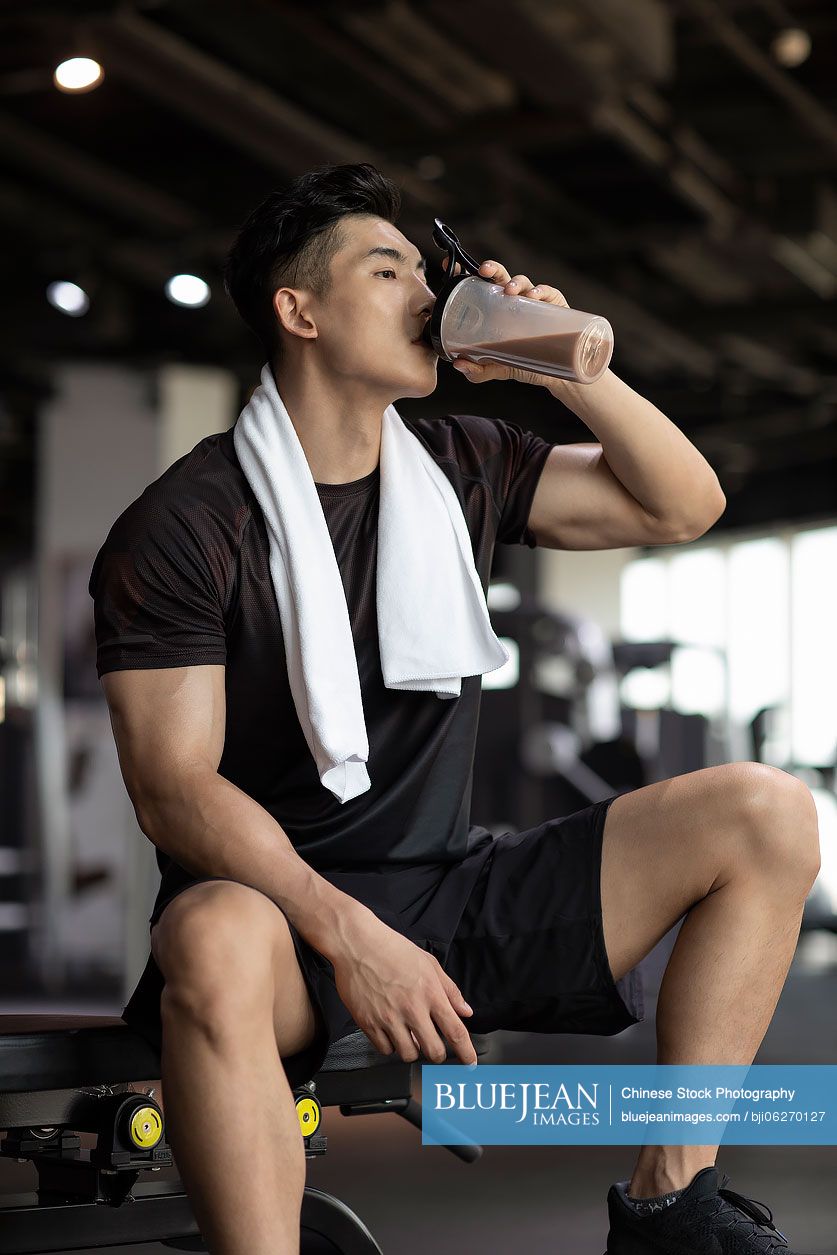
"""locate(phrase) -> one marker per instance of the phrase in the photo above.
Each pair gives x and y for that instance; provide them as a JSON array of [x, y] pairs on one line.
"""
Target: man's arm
[[169, 726], [644, 484]]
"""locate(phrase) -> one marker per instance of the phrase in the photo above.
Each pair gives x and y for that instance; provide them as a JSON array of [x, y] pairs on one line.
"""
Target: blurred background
[[672, 166]]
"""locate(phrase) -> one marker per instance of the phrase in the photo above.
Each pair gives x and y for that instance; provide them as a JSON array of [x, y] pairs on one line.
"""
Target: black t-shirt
[[183, 579]]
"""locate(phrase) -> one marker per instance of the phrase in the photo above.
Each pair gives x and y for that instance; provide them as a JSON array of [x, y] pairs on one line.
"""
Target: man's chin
[[420, 384], [431, 387], [425, 390]]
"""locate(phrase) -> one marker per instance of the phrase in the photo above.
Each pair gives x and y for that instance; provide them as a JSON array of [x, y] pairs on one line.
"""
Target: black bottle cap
[[445, 238]]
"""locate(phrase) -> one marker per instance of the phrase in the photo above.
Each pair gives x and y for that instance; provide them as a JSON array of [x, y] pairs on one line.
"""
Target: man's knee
[[779, 824], [217, 945]]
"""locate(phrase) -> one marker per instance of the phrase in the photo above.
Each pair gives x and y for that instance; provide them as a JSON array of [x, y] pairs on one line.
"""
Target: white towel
[[433, 623]]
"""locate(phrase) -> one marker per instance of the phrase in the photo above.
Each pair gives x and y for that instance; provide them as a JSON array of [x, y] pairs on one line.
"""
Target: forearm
[[211, 828], [647, 453]]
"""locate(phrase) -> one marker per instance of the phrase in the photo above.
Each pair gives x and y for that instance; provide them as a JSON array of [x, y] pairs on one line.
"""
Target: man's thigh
[[219, 942], [528, 952], [669, 844]]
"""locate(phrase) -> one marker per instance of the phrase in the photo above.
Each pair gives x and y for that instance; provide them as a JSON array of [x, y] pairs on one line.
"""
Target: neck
[[336, 421]]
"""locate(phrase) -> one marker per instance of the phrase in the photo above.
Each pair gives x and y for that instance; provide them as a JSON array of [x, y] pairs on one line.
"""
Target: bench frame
[[60, 1076]]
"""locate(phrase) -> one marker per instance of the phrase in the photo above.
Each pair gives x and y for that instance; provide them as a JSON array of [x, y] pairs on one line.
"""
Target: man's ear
[[289, 305]]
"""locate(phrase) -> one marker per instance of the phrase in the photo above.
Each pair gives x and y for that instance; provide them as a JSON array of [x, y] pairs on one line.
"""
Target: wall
[[105, 435], [585, 582]]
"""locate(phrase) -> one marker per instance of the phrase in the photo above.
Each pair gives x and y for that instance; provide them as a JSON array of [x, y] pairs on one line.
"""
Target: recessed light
[[68, 297], [187, 290], [78, 74]]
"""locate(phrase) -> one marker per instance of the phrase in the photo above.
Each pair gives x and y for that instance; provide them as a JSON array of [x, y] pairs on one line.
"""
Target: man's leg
[[736, 849], [234, 1001]]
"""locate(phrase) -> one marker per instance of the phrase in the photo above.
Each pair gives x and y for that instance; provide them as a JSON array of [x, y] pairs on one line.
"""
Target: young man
[[286, 918]]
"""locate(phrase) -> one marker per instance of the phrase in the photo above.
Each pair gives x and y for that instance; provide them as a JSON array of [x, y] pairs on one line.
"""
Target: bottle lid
[[445, 238]]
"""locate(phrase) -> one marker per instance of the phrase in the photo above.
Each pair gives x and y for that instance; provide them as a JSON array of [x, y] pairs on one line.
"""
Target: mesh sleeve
[[158, 588], [523, 458], [508, 461]]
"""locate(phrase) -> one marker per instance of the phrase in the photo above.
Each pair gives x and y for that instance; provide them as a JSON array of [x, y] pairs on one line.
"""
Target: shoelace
[[760, 1219]]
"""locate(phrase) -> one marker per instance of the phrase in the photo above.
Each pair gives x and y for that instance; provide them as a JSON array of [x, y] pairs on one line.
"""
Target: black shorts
[[525, 947]]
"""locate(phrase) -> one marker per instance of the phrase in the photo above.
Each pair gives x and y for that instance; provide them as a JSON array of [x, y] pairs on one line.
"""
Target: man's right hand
[[399, 995]]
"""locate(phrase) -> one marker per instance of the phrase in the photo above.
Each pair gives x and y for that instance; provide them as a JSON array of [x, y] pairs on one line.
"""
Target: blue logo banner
[[633, 1104]]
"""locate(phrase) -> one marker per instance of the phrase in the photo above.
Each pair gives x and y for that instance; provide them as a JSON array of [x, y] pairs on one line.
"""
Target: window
[[813, 645], [756, 622]]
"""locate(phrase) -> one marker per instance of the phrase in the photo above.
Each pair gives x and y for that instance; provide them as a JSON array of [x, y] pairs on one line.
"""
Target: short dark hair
[[292, 236]]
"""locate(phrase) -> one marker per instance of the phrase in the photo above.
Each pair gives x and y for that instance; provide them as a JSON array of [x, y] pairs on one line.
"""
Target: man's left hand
[[513, 285]]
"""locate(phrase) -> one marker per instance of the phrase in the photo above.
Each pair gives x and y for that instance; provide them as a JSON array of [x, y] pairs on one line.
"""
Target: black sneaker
[[705, 1220]]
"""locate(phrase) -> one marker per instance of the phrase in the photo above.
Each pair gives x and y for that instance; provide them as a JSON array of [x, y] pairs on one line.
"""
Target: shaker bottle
[[475, 318]]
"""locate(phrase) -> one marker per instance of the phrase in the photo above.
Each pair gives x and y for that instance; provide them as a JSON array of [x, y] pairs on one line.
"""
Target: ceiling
[[650, 159]]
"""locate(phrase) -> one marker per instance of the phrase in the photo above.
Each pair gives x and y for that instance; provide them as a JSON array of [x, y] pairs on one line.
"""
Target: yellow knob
[[308, 1112], [146, 1127]]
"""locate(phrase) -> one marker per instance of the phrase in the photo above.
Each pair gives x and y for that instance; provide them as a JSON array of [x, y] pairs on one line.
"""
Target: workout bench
[[62, 1075]]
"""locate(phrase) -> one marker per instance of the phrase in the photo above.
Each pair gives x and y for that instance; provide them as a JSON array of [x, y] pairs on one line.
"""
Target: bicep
[[580, 504], [168, 723]]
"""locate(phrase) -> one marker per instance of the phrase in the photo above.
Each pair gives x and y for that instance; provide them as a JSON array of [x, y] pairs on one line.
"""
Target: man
[[286, 918]]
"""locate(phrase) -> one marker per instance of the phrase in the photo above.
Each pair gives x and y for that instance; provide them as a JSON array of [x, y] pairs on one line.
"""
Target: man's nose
[[429, 300]]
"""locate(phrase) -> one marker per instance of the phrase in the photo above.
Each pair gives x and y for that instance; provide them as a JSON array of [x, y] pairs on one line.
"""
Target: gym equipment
[[62, 1075], [561, 724]]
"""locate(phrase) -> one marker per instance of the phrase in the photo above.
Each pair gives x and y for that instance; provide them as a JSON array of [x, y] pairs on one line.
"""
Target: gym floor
[[552, 1201]]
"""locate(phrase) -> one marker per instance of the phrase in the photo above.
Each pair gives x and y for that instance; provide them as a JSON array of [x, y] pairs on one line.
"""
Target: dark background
[[651, 160]]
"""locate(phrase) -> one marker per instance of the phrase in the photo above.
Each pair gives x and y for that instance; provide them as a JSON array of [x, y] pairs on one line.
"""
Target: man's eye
[[386, 272]]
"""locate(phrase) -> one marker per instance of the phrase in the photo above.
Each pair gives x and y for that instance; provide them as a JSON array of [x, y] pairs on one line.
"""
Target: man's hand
[[399, 995], [518, 285]]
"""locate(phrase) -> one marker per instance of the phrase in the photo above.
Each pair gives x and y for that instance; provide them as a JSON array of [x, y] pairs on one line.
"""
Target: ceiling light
[[791, 47], [79, 74], [68, 297], [187, 290]]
